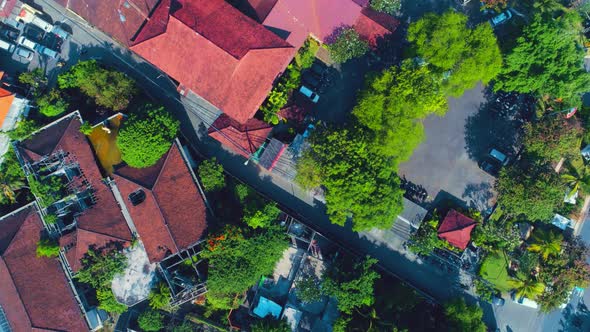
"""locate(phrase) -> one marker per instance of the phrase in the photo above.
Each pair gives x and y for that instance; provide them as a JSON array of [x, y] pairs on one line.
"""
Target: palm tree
[[8, 186], [529, 288], [576, 178], [546, 243]]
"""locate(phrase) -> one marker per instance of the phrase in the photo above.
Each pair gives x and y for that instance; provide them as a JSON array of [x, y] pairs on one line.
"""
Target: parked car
[[499, 156], [22, 40], [501, 18], [60, 32], [14, 23], [46, 51], [24, 52], [314, 97], [9, 32], [490, 166], [7, 46]]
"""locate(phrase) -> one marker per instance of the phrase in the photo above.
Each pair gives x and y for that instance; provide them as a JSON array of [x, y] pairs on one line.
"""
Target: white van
[[22, 40], [46, 51], [7, 46]]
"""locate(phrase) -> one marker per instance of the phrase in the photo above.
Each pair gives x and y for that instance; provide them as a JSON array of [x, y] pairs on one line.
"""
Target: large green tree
[[146, 136], [108, 88], [238, 260], [393, 103], [352, 286], [463, 317], [546, 243], [465, 55], [529, 190], [546, 62], [52, 103], [211, 174], [12, 178], [347, 44], [360, 182], [552, 138]]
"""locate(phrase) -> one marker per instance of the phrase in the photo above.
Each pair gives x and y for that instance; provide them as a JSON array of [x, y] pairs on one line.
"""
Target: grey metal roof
[[412, 214]]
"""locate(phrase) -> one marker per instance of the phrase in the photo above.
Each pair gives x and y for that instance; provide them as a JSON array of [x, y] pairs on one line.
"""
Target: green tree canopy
[[52, 103], [359, 182], [100, 265], [352, 286], [546, 61], [347, 45], [271, 325], [263, 216], [237, 261], [546, 243], [24, 128], [151, 320], [465, 55], [146, 136], [552, 138], [159, 296], [529, 288], [108, 88], [108, 302], [47, 248], [529, 190], [308, 289], [211, 174], [12, 178], [35, 80], [463, 317], [386, 6]]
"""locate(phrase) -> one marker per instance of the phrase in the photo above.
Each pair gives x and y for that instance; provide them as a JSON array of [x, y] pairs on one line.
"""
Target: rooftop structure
[[212, 49], [60, 149], [244, 139], [165, 203], [412, 214], [456, 229], [11, 108], [34, 292]]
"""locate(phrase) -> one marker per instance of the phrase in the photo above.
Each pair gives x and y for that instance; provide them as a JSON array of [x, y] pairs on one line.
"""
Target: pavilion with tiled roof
[[456, 229], [35, 294], [165, 202], [244, 139]]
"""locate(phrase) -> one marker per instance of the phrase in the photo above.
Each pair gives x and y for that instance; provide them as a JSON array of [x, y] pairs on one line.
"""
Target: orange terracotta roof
[[244, 139], [456, 229], [6, 99]]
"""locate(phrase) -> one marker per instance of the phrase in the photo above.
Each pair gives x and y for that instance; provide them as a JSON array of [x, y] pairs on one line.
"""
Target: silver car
[[25, 53]]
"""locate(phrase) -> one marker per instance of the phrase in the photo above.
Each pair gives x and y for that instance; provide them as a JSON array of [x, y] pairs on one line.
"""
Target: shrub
[[347, 45], [35, 79], [160, 296], [47, 248], [86, 128], [24, 128], [308, 289], [48, 190], [271, 325], [50, 219], [211, 174], [146, 136], [52, 104], [386, 6], [151, 320], [306, 54], [108, 302], [261, 217], [242, 192]]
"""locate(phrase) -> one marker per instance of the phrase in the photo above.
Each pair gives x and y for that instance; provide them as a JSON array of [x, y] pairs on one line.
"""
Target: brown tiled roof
[[34, 292], [173, 215], [217, 52], [456, 229], [244, 139], [105, 216], [76, 245]]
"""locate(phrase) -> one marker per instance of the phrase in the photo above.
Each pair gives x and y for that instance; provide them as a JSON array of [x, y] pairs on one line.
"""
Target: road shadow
[[575, 320], [497, 124]]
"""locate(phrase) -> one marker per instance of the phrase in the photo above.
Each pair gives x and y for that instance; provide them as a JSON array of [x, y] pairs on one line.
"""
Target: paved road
[[440, 284]]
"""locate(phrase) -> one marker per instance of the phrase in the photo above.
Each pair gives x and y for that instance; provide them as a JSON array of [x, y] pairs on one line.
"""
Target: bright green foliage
[[261, 217], [347, 45], [50, 219], [160, 296], [237, 261], [107, 302], [531, 191], [86, 128], [271, 325], [529, 288], [35, 79], [552, 138], [24, 128], [306, 54], [341, 324], [279, 96], [99, 267], [576, 177], [484, 290], [47, 190], [151, 320], [463, 317], [353, 288], [308, 173], [394, 102], [447, 44], [243, 192], [308, 289], [426, 239], [108, 88], [548, 6], [494, 269], [52, 103], [493, 235], [146, 136], [546, 243], [386, 6], [359, 182], [211, 174], [12, 178], [546, 61], [47, 248]]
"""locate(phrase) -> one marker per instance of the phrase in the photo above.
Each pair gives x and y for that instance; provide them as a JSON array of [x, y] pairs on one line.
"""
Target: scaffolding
[[182, 288]]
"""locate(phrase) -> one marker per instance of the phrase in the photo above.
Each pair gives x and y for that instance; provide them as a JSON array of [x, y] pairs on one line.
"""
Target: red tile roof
[[173, 215], [121, 19], [215, 51], [372, 25], [244, 139], [260, 7], [76, 245], [456, 229], [34, 292], [7, 9], [294, 20], [105, 216]]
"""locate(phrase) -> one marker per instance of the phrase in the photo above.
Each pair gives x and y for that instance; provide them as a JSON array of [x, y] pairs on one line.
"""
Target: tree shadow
[[497, 124], [575, 320], [477, 195]]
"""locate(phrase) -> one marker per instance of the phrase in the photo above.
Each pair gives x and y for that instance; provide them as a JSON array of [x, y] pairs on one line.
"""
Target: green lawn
[[494, 269]]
